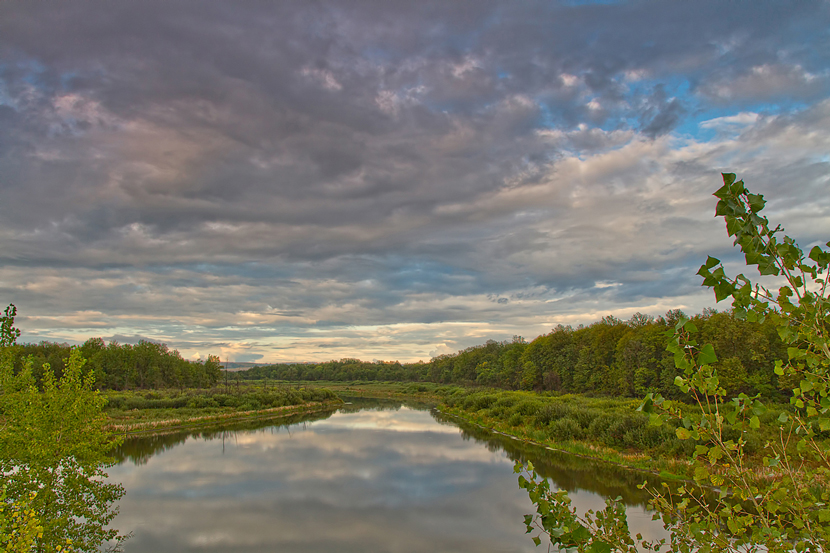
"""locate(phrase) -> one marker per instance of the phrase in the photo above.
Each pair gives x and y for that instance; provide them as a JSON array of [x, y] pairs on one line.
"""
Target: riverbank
[[157, 410], [608, 429], [182, 423], [604, 429], [665, 468]]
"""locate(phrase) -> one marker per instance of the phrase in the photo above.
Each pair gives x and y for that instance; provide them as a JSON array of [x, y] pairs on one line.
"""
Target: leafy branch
[[733, 503]]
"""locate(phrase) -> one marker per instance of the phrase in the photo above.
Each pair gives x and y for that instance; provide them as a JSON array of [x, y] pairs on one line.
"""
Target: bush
[[552, 411], [566, 429], [599, 426], [516, 419], [527, 407]]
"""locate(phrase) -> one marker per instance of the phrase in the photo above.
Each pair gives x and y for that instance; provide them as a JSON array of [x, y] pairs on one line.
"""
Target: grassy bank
[[159, 409], [422, 391], [600, 428]]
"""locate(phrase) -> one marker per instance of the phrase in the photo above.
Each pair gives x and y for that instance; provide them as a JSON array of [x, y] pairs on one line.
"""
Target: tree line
[[609, 357], [124, 366]]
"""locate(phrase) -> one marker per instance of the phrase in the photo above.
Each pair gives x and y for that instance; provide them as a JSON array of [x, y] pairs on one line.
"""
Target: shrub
[[566, 429]]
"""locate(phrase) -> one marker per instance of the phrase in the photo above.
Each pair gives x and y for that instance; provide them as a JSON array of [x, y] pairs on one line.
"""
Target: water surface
[[375, 476]]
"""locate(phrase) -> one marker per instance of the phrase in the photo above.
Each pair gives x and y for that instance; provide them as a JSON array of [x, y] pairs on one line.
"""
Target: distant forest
[[609, 357], [126, 367]]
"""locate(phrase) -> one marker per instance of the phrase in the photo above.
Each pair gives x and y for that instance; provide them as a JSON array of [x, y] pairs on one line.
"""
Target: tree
[[19, 525], [8, 333], [53, 452], [733, 504]]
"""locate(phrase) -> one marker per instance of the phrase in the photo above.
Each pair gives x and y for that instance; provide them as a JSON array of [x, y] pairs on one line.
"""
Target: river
[[373, 476]]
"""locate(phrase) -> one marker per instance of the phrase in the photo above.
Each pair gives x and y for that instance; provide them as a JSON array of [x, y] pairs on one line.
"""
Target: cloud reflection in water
[[375, 480]]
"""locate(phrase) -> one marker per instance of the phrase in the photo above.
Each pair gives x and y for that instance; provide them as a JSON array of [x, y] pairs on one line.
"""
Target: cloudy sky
[[272, 181]]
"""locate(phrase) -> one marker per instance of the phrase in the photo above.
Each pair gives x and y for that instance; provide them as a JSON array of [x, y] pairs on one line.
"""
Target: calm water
[[375, 476]]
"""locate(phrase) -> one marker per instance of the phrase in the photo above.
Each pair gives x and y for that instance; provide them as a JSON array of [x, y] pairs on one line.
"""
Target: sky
[[313, 180]]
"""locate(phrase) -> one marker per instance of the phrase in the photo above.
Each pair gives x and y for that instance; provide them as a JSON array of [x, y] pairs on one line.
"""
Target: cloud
[[660, 114], [305, 182], [769, 82]]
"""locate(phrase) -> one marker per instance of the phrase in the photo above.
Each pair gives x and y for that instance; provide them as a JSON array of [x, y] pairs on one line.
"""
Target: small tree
[[53, 451], [733, 504], [8, 333]]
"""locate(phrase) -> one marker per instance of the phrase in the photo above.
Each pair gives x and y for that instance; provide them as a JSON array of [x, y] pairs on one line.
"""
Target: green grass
[[604, 428], [416, 390], [140, 410]]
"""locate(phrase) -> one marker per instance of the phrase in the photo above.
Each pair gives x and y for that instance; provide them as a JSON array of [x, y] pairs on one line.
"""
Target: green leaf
[[536, 540], [715, 454], [711, 262], [756, 202], [758, 408], [782, 418], [680, 382], [779, 368], [738, 187], [755, 422], [707, 355], [728, 179], [701, 473], [599, 547], [682, 433], [723, 290]]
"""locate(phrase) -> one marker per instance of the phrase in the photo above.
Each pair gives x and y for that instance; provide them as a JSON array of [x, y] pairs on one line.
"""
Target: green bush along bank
[[606, 428]]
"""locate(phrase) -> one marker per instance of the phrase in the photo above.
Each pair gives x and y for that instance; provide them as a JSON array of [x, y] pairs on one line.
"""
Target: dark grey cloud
[[660, 114]]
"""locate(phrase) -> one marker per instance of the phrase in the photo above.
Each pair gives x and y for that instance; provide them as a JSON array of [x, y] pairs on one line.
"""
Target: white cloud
[[324, 77], [740, 120]]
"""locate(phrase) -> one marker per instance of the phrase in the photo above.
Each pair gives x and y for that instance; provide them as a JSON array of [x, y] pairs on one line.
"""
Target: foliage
[[730, 505], [610, 357], [8, 333], [132, 409], [592, 533], [123, 366], [247, 398], [53, 451], [606, 422], [19, 526]]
